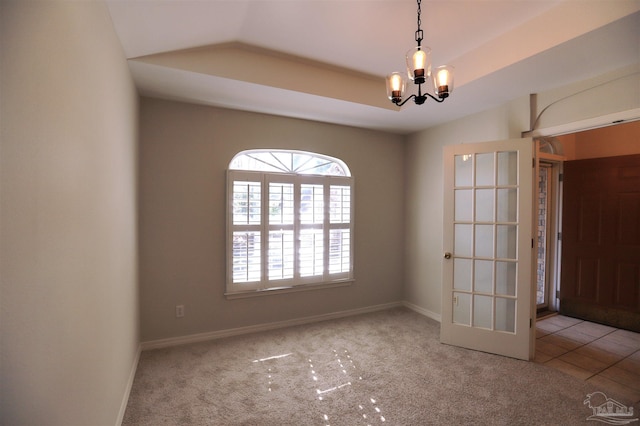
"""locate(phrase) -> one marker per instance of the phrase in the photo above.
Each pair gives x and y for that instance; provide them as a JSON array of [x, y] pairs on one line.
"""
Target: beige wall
[[611, 141], [184, 153], [424, 173], [69, 303]]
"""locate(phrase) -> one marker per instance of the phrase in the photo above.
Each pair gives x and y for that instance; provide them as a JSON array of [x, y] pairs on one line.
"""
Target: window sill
[[282, 290]]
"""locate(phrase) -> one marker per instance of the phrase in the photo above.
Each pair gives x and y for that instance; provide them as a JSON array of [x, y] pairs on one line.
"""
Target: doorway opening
[[600, 285]]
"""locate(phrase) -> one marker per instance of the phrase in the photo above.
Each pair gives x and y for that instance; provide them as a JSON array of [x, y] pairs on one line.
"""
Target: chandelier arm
[[439, 100], [422, 98], [405, 101]]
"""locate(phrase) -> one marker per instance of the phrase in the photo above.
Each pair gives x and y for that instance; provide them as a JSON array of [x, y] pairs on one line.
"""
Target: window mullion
[[297, 199], [264, 230], [326, 230]]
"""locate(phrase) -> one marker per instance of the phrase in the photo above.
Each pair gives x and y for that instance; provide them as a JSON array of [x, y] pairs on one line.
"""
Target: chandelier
[[419, 70]]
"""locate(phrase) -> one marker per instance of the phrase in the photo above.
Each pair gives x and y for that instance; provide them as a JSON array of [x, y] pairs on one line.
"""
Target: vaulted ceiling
[[326, 60]]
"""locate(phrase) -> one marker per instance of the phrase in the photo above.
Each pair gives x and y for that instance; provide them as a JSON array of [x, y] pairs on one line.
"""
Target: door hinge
[[560, 177], [533, 163], [559, 236], [530, 322], [532, 243], [557, 294]]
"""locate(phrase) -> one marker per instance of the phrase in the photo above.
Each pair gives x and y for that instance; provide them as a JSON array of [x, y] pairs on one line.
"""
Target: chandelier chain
[[419, 35]]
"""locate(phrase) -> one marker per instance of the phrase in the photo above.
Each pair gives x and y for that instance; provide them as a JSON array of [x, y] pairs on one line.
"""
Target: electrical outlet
[[179, 311]]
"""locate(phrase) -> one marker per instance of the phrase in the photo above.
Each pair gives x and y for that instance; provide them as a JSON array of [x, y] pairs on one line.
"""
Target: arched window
[[289, 221], [293, 162]]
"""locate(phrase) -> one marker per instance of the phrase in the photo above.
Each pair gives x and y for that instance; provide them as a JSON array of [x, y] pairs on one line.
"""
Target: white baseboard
[[127, 392], [422, 311], [202, 337]]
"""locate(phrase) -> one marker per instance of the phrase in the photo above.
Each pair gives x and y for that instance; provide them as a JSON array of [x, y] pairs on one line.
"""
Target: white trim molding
[[422, 311], [127, 391], [588, 124]]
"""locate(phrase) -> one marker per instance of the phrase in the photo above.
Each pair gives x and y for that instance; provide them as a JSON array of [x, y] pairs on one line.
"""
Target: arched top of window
[[284, 161]]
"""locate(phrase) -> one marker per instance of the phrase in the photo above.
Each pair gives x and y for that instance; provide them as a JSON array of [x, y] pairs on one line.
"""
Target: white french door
[[487, 287]]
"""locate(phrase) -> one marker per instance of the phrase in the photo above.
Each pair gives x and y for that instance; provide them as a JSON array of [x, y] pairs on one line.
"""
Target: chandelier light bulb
[[396, 82], [395, 87], [442, 76], [443, 81], [419, 61]]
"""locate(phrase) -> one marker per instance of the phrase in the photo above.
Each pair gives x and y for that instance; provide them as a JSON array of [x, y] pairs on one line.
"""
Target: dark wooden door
[[600, 278]]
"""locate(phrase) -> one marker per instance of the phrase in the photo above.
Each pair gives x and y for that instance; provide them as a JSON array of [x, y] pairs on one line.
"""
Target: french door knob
[[447, 255]]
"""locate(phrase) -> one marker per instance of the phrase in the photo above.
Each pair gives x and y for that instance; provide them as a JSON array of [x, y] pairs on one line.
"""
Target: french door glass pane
[[505, 314], [462, 308], [508, 168], [485, 171], [462, 274], [484, 241], [483, 277], [507, 205], [463, 175], [463, 240], [484, 205], [463, 207], [506, 278], [482, 311], [506, 241]]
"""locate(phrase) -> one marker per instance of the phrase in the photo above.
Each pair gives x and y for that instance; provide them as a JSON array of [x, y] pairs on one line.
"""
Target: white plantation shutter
[[340, 229], [312, 218], [246, 230], [281, 245], [288, 229]]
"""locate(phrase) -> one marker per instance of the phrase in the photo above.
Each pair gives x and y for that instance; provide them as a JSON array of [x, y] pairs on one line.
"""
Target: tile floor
[[605, 356]]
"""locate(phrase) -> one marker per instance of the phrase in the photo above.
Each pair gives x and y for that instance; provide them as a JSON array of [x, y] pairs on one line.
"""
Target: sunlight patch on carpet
[[272, 357], [331, 376]]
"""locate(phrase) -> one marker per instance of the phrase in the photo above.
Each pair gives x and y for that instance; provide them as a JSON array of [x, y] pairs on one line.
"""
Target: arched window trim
[[278, 165]]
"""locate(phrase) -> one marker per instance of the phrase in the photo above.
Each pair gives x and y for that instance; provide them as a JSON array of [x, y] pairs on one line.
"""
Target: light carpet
[[383, 368]]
